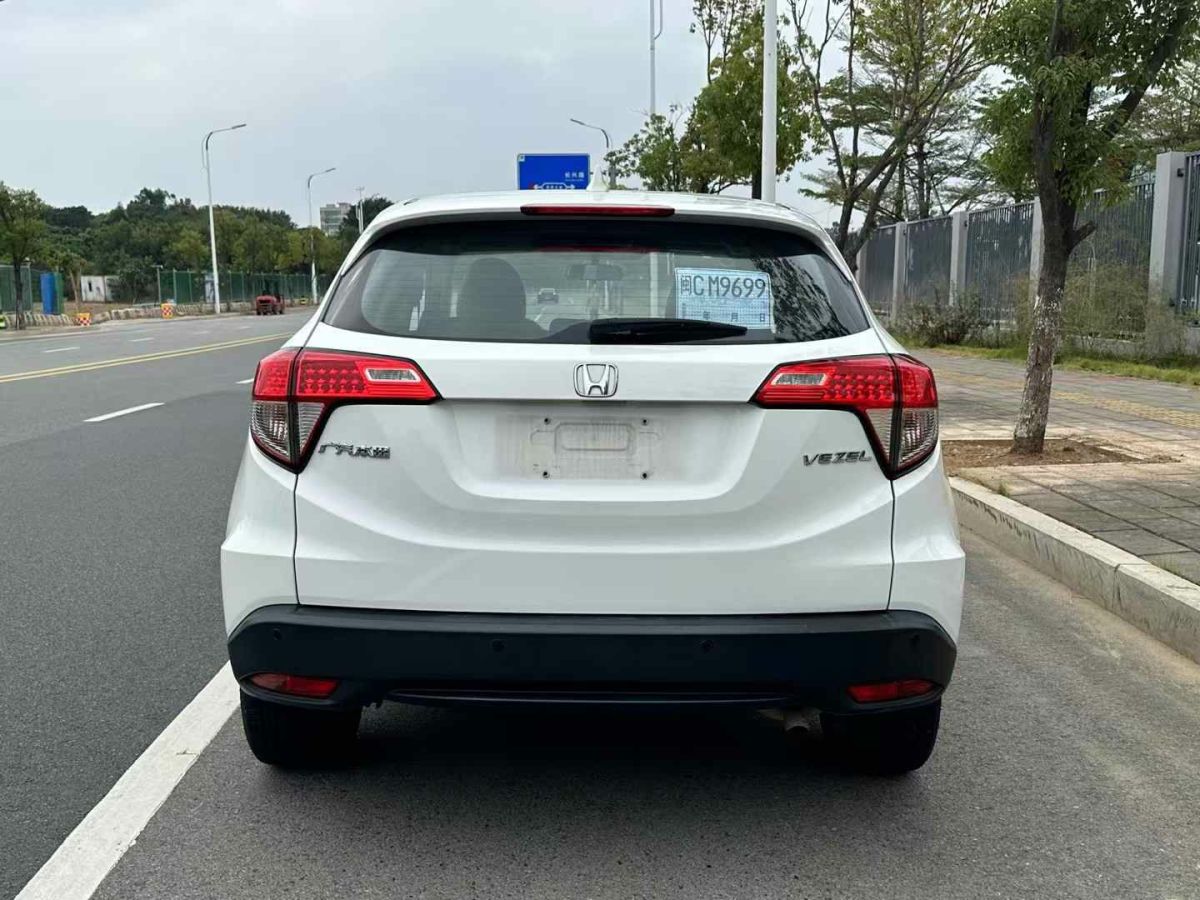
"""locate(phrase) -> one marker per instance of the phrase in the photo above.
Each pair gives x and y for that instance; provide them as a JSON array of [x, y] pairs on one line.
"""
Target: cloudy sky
[[99, 98]]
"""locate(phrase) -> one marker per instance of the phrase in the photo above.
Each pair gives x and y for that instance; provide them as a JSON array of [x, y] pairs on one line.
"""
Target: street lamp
[[312, 236], [612, 174], [360, 210], [654, 36], [212, 228]]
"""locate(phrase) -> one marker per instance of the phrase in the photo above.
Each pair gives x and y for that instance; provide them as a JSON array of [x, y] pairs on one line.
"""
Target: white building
[[332, 215]]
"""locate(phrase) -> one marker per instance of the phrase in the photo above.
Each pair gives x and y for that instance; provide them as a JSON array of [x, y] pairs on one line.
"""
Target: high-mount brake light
[[295, 390], [561, 209], [895, 396]]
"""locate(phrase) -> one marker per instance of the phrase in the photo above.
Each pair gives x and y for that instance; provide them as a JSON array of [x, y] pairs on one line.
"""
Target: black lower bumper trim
[[763, 660]]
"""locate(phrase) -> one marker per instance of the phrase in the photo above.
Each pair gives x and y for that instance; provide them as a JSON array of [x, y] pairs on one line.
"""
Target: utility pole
[[361, 226], [212, 228], [655, 34], [769, 115], [312, 235]]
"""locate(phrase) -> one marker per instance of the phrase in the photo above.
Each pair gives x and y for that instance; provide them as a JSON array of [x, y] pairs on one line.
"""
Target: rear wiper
[[659, 331]]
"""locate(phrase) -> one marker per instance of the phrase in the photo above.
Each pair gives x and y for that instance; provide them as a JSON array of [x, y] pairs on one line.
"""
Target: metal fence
[[161, 285], [927, 276], [998, 252], [31, 289], [879, 260], [1189, 272]]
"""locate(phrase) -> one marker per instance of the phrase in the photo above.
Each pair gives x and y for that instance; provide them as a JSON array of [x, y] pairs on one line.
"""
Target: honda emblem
[[595, 379]]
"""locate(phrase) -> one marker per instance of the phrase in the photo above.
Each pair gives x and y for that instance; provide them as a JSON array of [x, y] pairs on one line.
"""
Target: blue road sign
[[553, 171]]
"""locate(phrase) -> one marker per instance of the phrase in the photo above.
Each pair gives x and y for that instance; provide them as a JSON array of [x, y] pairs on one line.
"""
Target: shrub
[[941, 322]]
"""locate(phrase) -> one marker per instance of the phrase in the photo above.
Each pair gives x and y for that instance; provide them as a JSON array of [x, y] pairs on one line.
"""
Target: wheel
[[291, 737], [887, 743]]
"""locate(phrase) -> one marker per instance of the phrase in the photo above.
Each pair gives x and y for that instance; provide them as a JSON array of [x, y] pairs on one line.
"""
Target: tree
[[1078, 72], [903, 63], [726, 124], [22, 227], [1169, 117], [655, 155], [371, 206], [719, 143]]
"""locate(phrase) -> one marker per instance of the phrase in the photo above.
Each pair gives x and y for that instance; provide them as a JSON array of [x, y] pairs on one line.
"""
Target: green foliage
[[1077, 73], [718, 144], [937, 322], [372, 206]]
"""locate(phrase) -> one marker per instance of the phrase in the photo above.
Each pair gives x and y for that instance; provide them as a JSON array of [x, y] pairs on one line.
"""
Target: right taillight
[[295, 390], [894, 396]]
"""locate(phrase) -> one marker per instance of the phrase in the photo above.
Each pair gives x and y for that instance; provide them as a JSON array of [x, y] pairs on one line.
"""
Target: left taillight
[[894, 396], [295, 390]]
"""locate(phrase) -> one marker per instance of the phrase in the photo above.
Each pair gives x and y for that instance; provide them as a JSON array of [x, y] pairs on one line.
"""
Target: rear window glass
[[550, 280]]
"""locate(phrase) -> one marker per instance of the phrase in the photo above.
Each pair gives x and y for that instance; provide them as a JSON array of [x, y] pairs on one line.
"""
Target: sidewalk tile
[[1140, 542], [1185, 565]]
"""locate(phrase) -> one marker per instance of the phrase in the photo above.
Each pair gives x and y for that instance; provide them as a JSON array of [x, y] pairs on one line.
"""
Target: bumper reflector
[[890, 690], [295, 685]]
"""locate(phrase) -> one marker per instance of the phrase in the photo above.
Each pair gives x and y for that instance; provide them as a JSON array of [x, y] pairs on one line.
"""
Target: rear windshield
[[593, 281]]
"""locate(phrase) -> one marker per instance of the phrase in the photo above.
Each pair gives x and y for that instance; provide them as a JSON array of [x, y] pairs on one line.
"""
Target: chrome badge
[[595, 379], [357, 450]]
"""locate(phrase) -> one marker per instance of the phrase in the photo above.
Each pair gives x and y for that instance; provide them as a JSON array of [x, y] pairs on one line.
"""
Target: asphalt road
[[110, 616], [1067, 768], [1068, 764]]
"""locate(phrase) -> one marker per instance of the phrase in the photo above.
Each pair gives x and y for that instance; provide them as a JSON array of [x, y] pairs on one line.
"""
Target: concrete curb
[[1161, 604]]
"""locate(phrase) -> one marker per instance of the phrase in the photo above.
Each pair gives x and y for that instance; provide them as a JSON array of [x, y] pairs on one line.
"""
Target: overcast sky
[[99, 98]]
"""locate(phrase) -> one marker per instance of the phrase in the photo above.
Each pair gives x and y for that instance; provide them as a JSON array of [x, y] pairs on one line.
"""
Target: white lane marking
[[89, 853], [122, 412], [60, 349], [246, 381], [242, 327], [140, 340]]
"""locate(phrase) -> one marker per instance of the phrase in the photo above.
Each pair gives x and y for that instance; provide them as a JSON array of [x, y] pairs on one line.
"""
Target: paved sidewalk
[[1150, 508]]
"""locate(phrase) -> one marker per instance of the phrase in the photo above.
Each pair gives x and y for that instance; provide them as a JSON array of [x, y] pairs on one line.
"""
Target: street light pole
[[654, 36], [770, 70], [612, 174], [158, 280], [212, 228], [360, 211], [312, 235]]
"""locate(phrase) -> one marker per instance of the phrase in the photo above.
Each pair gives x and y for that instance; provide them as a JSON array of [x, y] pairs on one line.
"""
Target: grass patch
[[1181, 370]]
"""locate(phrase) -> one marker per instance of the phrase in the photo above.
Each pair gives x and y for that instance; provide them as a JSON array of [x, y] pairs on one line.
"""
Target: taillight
[[294, 391], [895, 396], [883, 691], [295, 685]]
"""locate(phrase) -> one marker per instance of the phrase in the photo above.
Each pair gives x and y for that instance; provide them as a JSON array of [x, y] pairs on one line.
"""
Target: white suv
[[699, 473]]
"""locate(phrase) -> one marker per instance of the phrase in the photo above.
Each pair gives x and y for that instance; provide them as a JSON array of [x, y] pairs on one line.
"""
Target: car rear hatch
[[608, 456]]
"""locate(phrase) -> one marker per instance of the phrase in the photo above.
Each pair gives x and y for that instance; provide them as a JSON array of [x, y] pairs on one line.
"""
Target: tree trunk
[[1046, 333]]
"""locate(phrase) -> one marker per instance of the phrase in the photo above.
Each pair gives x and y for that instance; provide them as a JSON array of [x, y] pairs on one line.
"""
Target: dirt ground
[[1058, 452]]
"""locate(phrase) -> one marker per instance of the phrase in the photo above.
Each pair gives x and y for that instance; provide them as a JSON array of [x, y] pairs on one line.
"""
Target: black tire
[[888, 743], [292, 737]]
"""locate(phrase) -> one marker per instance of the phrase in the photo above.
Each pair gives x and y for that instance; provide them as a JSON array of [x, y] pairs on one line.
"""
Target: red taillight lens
[[890, 690], [887, 393], [321, 375], [294, 391], [562, 209], [295, 685]]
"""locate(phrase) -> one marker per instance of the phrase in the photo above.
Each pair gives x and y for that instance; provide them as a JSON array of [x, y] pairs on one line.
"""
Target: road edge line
[[1155, 601], [82, 862]]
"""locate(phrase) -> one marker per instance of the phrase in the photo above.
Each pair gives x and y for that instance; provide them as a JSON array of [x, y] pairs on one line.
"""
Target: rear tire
[[292, 737], [887, 743]]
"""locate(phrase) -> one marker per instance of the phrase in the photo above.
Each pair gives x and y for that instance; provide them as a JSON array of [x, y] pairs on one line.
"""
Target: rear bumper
[[761, 660]]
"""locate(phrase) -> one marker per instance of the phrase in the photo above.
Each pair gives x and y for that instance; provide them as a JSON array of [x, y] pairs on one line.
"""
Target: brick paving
[[1150, 507]]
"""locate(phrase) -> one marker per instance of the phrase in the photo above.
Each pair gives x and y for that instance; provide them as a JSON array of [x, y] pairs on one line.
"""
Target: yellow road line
[[145, 357]]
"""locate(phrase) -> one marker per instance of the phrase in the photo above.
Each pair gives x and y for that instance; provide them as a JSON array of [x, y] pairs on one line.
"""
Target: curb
[[1159, 603]]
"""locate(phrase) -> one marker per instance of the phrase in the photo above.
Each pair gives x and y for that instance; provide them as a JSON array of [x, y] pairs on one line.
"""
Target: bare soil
[[1058, 452]]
